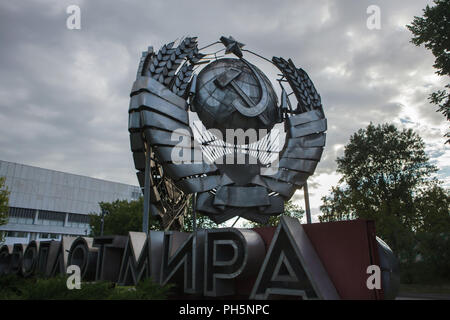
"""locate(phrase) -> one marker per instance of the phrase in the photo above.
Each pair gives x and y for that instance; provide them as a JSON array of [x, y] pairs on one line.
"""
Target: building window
[[52, 236], [16, 234], [51, 218], [78, 221], [135, 195], [20, 215]]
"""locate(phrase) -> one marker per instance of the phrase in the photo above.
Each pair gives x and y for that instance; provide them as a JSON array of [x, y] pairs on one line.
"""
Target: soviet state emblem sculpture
[[209, 124], [234, 94]]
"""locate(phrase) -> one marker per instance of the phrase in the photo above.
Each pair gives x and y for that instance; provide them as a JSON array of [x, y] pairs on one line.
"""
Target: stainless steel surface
[[62, 255], [83, 254], [246, 103], [292, 267], [109, 257], [390, 274], [228, 93], [307, 208], [182, 256], [30, 259], [229, 255], [135, 263], [5, 259], [147, 186]]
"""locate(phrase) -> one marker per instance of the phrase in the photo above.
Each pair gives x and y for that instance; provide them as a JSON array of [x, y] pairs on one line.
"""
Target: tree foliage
[[290, 209], [433, 234], [37, 288], [202, 222], [4, 200], [121, 216], [433, 31], [387, 177]]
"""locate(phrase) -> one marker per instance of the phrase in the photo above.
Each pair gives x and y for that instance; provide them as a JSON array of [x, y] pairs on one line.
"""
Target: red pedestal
[[346, 249]]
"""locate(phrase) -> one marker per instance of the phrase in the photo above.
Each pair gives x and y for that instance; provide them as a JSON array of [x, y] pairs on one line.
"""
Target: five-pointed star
[[232, 46]]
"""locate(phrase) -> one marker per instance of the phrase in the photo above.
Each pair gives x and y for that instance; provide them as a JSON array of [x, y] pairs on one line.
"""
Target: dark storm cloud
[[64, 93]]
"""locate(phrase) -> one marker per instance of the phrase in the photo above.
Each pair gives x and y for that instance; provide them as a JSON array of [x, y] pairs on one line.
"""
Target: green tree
[[203, 222], [384, 174], [290, 209], [4, 200], [433, 235], [121, 216], [433, 30]]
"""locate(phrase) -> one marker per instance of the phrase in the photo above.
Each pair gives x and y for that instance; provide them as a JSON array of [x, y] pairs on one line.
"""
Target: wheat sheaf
[[172, 66]]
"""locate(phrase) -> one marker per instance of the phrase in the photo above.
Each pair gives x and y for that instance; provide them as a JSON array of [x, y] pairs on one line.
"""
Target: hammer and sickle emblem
[[252, 109]]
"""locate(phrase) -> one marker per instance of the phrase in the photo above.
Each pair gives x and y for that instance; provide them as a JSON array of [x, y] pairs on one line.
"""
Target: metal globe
[[218, 91]]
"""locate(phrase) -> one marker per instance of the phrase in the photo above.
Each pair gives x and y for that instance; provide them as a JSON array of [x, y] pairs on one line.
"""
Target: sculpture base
[[291, 261]]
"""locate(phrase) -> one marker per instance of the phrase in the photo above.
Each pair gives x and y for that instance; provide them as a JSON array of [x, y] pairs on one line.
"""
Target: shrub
[[145, 290], [18, 288]]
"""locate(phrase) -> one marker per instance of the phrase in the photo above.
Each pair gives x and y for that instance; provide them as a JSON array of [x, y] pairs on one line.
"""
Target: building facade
[[46, 204]]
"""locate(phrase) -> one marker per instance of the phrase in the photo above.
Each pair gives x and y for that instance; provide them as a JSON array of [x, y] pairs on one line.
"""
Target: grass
[[17, 288], [425, 289]]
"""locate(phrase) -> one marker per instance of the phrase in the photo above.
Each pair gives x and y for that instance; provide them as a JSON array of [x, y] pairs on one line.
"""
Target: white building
[[45, 204]]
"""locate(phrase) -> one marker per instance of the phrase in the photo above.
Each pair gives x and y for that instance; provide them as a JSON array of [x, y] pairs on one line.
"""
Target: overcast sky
[[64, 94]]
